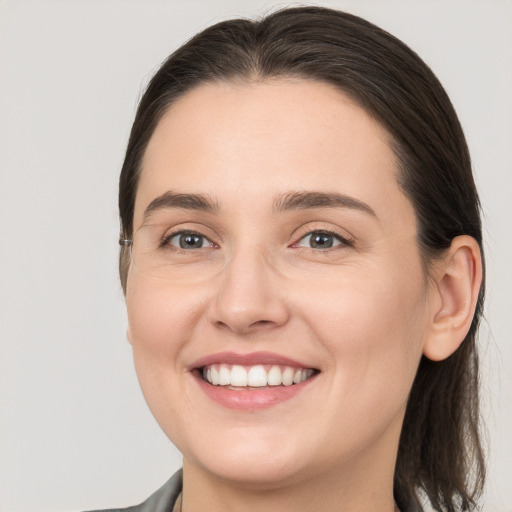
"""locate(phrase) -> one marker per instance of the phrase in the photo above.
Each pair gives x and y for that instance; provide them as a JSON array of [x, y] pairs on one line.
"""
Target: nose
[[249, 296]]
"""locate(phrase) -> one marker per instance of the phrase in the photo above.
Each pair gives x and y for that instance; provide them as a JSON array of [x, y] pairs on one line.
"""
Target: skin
[[361, 313]]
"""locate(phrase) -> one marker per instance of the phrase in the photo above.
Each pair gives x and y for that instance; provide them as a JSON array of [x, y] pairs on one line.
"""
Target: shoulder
[[160, 501]]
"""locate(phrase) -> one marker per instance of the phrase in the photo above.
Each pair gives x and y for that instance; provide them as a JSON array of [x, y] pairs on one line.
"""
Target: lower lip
[[250, 399]]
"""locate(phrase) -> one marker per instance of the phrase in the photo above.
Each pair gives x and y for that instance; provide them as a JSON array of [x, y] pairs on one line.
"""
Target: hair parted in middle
[[440, 453]]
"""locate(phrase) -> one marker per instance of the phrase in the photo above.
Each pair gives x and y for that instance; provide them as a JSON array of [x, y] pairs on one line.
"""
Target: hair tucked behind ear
[[440, 454]]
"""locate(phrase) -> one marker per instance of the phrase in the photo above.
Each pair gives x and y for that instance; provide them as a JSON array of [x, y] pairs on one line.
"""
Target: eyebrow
[[170, 199], [310, 200], [281, 203]]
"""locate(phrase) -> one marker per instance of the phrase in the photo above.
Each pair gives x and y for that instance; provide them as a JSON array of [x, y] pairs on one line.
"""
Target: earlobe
[[458, 277]]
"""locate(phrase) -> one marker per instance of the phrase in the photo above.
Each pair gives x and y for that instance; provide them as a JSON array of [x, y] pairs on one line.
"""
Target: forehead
[[257, 140]]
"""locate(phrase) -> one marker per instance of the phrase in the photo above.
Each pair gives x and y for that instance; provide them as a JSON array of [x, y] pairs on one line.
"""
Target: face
[[281, 247]]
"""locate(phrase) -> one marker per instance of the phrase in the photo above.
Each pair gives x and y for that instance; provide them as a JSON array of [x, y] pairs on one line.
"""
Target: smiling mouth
[[238, 377]]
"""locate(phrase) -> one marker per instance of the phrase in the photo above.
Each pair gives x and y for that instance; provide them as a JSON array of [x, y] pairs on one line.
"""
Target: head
[[382, 92]]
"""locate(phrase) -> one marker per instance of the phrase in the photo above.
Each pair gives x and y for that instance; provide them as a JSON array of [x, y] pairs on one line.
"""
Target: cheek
[[373, 335], [159, 316], [373, 326], [161, 320]]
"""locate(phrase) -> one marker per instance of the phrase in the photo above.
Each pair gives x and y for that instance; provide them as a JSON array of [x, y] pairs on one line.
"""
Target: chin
[[252, 465], [261, 475]]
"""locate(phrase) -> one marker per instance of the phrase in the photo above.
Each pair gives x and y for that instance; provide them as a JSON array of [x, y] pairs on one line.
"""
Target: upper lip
[[249, 359]]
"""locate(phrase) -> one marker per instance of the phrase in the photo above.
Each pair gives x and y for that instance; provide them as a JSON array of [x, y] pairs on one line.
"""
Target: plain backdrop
[[75, 431]]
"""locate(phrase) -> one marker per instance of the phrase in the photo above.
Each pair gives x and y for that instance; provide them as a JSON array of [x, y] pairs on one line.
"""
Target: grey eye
[[189, 241], [320, 240]]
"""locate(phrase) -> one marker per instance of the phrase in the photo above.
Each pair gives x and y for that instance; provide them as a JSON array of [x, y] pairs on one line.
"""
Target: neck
[[363, 484]]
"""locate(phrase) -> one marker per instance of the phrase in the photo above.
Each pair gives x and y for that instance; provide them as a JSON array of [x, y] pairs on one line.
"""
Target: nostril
[[259, 324], [262, 323], [221, 324]]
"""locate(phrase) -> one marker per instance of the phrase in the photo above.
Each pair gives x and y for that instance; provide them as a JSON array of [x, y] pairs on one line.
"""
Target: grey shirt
[[162, 500], [165, 498]]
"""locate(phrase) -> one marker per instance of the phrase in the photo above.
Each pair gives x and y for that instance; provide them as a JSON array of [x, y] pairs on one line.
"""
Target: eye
[[321, 240], [188, 240]]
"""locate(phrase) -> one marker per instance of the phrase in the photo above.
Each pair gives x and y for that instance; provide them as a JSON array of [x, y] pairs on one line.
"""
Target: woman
[[301, 259]]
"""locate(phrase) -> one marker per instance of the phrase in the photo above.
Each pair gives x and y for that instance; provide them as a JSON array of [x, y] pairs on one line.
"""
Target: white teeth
[[274, 376], [255, 376], [224, 375], [238, 376], [288, 376], [215, 376]]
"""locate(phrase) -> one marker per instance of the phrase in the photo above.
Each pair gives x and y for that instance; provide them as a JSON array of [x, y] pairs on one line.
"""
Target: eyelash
[[344, 241], [168, 237]]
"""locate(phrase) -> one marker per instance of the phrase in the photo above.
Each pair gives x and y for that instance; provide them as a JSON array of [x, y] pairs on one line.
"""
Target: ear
[[457, 279], [129, 335]]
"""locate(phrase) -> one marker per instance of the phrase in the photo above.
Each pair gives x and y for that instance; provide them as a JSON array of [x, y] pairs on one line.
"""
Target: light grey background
[[75, 431]]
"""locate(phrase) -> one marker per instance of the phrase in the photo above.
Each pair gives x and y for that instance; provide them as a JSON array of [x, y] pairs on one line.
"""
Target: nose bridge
[[248, 295]]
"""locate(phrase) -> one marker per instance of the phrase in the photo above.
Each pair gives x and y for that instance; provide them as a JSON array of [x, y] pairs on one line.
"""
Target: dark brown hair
[[440, 453]]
